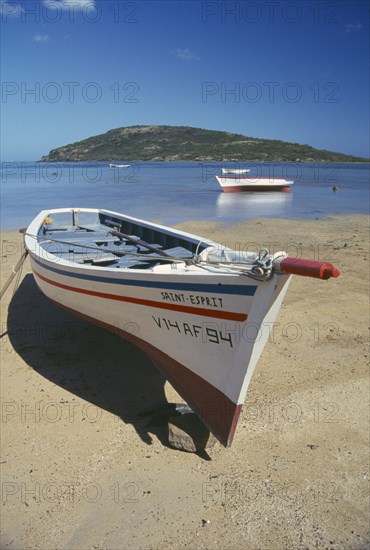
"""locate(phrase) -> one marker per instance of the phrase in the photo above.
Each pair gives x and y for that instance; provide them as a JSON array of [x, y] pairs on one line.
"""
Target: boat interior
[[101, 239]]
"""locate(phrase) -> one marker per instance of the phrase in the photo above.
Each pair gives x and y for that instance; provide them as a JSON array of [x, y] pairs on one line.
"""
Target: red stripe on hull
[[245, 188], [215, 314], [216, 410]]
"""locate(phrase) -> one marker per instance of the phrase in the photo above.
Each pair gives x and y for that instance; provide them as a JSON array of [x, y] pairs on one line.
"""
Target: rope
[[231, 267], [15, 270], [18, 275], [260, 269], [263, 267]]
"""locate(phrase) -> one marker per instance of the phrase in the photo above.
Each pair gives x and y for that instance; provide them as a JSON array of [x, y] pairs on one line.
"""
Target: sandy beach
[[83, 468]]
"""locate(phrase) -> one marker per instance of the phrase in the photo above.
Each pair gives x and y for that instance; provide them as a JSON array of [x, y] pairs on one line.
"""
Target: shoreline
[[231, 223], [365, 162], [81, 469]]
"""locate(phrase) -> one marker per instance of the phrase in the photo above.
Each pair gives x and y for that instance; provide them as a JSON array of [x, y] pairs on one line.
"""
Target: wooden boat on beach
[[202, 312], [239, 183]]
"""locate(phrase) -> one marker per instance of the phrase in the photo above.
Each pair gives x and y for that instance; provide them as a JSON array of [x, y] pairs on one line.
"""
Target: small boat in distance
[[201, 311], [111, 165], [235, 171], [237, 184]]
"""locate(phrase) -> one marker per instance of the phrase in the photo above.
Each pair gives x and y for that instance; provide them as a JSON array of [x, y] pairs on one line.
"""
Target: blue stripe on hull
[[242, 290]]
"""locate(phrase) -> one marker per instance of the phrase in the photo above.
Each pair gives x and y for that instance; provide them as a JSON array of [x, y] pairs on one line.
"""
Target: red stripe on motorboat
[[216, 410], [216, 314], [244, 188], [249, 178]]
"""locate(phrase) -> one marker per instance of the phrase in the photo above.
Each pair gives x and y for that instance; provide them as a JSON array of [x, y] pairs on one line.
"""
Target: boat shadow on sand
[[88, 361]]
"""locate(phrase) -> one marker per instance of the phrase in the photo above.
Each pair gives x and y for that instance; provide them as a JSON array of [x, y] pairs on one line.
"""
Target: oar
[[14, 273], [144, 258], [140, 242]]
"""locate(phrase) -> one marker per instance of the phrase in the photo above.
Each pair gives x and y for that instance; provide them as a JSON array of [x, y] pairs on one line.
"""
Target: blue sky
[[291, 70]]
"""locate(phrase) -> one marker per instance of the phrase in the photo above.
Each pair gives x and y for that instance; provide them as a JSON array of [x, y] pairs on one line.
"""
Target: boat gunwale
[[36, 249]]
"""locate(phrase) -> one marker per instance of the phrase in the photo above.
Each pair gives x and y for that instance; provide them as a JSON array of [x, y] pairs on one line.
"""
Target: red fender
[[307, 268]]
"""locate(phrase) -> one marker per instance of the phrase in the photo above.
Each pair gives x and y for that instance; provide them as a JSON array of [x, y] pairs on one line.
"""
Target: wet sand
[[81, 469]]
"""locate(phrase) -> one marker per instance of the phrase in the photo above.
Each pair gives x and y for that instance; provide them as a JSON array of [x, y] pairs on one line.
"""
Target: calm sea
[[172, 192]]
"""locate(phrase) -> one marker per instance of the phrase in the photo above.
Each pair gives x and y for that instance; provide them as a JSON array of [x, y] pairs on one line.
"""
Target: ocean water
[[173, 192]]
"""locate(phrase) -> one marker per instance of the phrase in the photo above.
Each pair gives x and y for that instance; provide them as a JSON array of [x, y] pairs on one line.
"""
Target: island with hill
[[185, 143]]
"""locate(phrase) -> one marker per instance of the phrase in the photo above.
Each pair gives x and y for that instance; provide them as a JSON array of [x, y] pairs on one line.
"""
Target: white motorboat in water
[[237, 183]]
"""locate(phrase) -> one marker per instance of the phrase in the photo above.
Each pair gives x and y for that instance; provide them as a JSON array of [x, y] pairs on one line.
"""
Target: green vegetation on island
[[184, 143]]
